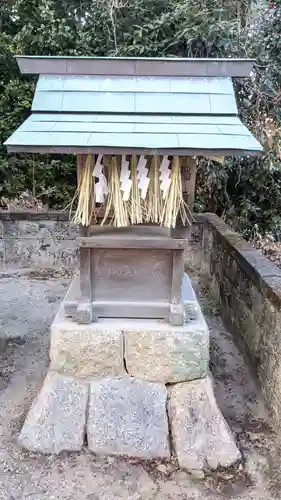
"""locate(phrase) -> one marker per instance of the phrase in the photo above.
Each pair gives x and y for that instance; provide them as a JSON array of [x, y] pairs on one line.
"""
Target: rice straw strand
[[86, 198]]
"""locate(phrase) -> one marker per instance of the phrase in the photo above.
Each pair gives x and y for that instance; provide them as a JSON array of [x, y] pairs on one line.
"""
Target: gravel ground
[[29, 301]]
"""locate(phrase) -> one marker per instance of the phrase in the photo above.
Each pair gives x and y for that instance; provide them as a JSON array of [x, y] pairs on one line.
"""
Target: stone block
[[201, 436], [86, 350], [94, 350], [162, 353], [56, 421], [128, 417], [190, 301]]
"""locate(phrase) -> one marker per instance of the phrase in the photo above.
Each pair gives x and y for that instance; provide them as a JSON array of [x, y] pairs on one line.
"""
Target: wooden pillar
[[188, 176], [85, 307], [188, 172], [80, 163]]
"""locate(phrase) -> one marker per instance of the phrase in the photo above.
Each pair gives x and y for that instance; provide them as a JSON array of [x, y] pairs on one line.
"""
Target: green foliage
[[245, 192]]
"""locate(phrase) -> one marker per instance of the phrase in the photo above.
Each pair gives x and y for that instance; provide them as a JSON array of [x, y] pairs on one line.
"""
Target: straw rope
[[154, 209]]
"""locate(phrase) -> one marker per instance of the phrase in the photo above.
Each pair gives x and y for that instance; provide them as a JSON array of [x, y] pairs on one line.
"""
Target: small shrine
[[129, 351]]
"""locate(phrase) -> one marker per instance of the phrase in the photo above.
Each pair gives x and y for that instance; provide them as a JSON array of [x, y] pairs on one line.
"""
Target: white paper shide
[[165, 176], [125, 181], [142, 176], [101, 187]]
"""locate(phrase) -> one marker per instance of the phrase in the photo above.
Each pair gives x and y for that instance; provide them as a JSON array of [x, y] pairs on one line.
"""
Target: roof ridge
[[135, 66]]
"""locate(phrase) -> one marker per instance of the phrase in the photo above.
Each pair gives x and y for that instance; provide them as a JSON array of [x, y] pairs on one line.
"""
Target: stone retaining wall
[[37, 240], [47, 239], [248, 287]]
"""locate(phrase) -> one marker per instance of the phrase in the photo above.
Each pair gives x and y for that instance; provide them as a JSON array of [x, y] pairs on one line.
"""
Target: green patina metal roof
[[114, 113]]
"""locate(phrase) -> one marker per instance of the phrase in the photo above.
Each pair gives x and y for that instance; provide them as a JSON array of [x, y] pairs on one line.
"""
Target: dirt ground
[[28, 302]]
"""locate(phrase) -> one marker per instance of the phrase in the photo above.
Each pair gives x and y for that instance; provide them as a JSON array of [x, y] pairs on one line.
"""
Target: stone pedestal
[[138, 388]]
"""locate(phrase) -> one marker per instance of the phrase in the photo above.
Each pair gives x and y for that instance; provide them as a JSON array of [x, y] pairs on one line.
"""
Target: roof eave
[[128, 151]]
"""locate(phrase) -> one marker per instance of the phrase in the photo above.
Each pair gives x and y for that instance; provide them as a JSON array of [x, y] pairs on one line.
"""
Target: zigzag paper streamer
[[165, 176], [142, 176], [101, 187], [98, 167], [125, 181]]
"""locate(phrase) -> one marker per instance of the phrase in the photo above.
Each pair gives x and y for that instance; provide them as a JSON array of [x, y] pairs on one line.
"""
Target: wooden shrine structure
[[134, 107]]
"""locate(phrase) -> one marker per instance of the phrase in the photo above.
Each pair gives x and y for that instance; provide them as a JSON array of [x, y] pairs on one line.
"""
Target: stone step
[[148, 349], [200, 434], [131, 417], [128, 416], [57, 419]]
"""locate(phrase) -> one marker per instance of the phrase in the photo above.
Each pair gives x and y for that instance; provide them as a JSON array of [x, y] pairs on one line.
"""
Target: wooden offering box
[[134, 272]]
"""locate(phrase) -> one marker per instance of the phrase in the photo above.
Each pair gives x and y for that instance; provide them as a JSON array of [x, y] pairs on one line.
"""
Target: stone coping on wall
[[54, 215], [265, 274]]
